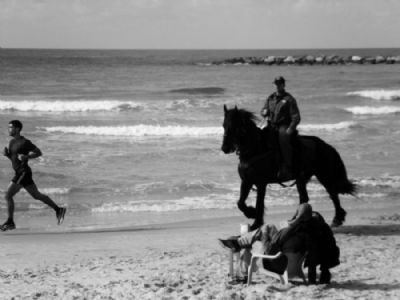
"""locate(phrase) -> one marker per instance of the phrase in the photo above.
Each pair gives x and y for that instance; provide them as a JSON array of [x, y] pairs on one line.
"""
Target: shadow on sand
[[385, 230], [357, 285]]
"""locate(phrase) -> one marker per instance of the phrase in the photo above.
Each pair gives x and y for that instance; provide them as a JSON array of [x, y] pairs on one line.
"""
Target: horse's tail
[[331, 171]]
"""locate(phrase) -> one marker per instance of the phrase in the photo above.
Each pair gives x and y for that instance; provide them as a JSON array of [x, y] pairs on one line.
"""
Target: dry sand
[[185, 261]]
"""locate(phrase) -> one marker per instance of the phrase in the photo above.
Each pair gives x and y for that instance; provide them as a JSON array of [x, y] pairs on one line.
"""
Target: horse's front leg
[[302, 190], [259, 220], [248, 211]]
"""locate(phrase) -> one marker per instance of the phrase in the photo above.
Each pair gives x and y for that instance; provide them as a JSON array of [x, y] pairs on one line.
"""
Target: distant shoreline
[[204, 49], [311, 60], [206, 57]]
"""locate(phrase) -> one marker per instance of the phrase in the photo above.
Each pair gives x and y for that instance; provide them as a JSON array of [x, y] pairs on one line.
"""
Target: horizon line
[[198, 49]]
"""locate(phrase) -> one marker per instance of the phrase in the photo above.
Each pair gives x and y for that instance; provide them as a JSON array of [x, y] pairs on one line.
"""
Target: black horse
[[259, 163]]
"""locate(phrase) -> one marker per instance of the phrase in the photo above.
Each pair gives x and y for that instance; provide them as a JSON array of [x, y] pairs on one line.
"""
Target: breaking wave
[[69, 106], [370, 188], [138, 130], [385, 181], [186, 203], [328, 127], [377, 94], [49, 191], [372, 110], [172, 130]]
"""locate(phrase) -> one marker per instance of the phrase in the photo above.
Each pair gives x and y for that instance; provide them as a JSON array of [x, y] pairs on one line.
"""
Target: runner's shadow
[[373, 230]]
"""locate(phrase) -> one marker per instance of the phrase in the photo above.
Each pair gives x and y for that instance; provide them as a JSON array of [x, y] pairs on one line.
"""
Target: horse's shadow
[[358, 285], [372, 230]]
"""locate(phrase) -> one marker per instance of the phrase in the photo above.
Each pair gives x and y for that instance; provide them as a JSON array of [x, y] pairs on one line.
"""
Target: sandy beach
[[185, 261]]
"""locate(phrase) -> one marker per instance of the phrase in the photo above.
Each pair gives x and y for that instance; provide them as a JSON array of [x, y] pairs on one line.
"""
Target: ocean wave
[[183, 104], [69, 106], [377, 94], [328, 127], [87, 106], [372, 110], [371, 195], [380, 182], [62, 191], [202, 90], [138, 130], [212, 201]]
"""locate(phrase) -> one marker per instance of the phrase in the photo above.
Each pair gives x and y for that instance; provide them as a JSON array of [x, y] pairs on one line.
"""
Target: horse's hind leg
[[340, 213]]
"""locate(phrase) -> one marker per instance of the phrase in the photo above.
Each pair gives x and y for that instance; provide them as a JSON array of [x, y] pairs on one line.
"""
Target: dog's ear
[[236, 109], [225, 109]]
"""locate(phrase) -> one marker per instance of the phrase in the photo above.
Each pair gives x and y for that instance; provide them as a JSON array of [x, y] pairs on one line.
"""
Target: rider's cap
[[279, 80]]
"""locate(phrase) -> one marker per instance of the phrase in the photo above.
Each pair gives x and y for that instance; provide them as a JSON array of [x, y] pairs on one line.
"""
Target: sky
[[199, 24]]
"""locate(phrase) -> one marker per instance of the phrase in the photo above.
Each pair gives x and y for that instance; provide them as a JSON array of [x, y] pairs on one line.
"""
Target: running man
[[19, 151]]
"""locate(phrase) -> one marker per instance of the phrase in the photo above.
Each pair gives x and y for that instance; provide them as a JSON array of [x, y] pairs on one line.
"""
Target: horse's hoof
[[339, 218], [336, 222]]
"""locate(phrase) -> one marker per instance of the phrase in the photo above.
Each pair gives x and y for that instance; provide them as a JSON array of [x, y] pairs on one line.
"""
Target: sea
[[133, 137]]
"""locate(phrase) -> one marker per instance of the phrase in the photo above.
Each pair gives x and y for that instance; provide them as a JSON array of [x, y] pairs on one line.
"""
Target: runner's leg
[[12, 190], [34, 192]]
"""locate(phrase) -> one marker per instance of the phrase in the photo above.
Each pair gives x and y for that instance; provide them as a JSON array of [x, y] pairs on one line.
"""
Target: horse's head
[[229, 143], [237, 126]]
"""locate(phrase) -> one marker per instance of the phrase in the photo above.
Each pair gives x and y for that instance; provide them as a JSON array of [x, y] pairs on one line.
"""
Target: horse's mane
[[248, 118]]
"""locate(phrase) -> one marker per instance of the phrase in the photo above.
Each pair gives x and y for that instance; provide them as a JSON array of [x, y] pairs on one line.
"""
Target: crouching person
[[307, 232]]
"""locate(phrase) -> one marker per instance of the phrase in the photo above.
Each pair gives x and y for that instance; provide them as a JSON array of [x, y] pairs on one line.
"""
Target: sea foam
[[328, 127], [211, 201], [377, 94], [143, 130], [385, 181], [373, 110], [138, 130], [69, 106]]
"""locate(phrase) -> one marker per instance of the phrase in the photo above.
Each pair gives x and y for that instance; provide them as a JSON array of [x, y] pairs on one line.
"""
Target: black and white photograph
[[199, 149]]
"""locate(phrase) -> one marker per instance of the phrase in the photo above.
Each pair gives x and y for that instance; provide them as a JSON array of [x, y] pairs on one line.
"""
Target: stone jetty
[[310, 60]]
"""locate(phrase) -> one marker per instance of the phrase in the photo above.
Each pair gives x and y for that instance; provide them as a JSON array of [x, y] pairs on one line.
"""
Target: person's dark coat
[[322, 238], [312, 235]]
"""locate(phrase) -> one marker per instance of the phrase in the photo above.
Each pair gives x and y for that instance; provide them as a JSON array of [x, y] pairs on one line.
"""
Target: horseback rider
[[283, 115]]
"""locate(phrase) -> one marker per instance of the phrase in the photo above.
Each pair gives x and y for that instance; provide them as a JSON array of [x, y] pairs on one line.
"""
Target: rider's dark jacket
[[282, 110]]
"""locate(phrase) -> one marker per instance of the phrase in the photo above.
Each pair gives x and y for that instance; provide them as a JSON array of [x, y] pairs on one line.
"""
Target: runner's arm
[[6, 153], [35, 153]]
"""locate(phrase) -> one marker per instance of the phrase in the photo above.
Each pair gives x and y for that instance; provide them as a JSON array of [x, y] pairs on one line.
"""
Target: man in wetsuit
[[19, 151], [282, 113]]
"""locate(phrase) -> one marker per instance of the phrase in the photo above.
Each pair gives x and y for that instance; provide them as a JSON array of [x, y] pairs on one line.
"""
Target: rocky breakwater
[[309, 60]]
